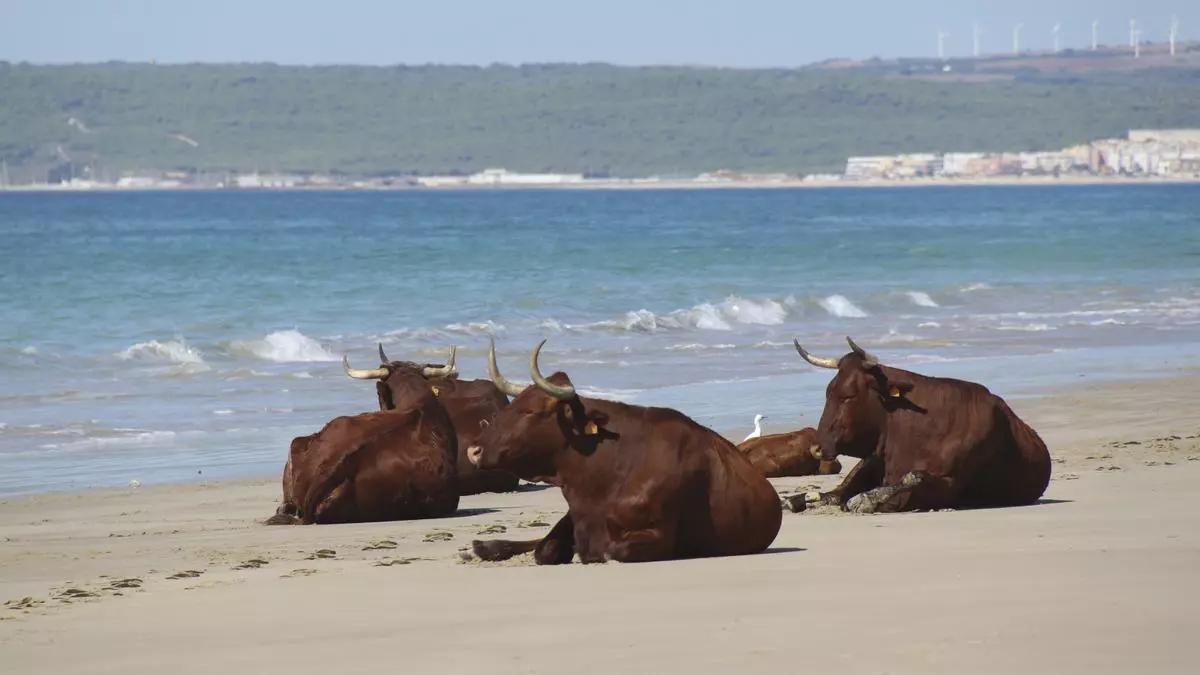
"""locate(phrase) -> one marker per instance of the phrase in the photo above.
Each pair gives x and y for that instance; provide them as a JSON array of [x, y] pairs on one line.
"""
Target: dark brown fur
[[787, 454], [640, 483], [927, 442], [393, 465], [470, 404]]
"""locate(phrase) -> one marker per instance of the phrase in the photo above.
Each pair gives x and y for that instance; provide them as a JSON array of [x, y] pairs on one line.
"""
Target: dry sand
[[1102, 577]]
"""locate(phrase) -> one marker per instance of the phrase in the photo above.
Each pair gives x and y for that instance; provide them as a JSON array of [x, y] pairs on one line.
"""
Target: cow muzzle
[[475, 454]]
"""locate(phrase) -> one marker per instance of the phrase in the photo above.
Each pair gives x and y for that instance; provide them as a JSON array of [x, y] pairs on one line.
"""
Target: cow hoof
[[860, 504], [492, 550], [913, 478], [282, 519]]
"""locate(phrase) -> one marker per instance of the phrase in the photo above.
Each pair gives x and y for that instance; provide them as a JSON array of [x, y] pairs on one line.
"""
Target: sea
[[165, 337]]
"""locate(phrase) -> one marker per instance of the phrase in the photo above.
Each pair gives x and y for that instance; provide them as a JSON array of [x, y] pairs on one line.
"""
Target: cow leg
[[889, 498], [556, 548], [865, 475]]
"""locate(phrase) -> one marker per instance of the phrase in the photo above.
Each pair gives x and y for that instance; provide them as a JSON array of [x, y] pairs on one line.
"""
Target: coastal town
[[1143, 154]]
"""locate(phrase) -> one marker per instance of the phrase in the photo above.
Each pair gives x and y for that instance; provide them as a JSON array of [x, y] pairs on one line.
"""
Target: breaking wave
[[921, 299], [171, 351], [705, 316], [840, 306], [488, 327], [284, 346]]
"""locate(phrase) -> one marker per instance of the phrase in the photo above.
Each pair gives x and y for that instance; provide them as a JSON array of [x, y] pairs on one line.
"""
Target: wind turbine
[[1055, 32], [976, 34], [942, 35], [1095, 29], [1174, 33], [1017, 38], [1132, 33], [1137, 43]]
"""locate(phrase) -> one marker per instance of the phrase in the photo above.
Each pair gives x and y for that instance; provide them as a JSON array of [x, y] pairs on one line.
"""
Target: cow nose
[[474, 454]]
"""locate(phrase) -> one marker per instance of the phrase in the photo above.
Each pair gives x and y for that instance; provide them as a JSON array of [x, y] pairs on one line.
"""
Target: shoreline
[[641, 184]]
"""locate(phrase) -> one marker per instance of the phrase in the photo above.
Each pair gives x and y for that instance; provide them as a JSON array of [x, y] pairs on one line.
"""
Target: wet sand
[[1100, 577]]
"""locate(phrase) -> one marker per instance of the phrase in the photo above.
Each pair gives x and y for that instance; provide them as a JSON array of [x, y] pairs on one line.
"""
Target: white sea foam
[[488, 327], [141, 439], [284, 346], [840, 306], [696, 347], [704, 316], [759, 312], [172, 351], [29, 351], [1026, 327], [921, 299], [971, 288], [929, 324]]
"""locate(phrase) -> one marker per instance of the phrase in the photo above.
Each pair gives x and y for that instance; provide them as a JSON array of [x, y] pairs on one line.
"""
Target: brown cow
[[925, 442], [795, 453], [640, 483], [470, 404], [393, 465]]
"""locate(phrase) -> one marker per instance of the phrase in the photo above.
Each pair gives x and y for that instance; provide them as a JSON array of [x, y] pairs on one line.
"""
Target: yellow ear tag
[[591, 429], [436, 391], [894, 391]]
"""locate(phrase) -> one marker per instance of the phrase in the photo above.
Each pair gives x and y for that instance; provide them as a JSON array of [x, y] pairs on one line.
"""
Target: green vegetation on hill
[[592, 118]]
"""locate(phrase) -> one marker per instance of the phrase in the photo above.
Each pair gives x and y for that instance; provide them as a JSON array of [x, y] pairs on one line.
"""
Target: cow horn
[[815, 451], [869, 359], [383, 359], [562, 393], [818, 361], [501, 383], [443, 371], [368, 374]]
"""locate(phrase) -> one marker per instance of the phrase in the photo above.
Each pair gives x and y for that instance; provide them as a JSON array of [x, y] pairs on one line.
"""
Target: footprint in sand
[[493, 529], [251, 564], [186, 574], [536, 522], [395, 561], [75, 594], [301, 572], [437, 536], [322, 553], [26, 602], [382, 544], [132, 582]]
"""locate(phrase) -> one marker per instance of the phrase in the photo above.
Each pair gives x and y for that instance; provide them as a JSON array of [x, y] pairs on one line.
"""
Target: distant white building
[[506, 177]]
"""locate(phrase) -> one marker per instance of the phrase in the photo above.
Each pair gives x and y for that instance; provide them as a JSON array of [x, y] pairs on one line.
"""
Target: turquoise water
[[175, 336]]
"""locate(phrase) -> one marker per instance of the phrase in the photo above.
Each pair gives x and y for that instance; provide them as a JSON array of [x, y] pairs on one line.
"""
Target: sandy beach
[[1101, 577]]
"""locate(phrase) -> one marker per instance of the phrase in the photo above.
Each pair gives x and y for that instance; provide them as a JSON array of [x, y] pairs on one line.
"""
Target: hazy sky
[[732, 33]]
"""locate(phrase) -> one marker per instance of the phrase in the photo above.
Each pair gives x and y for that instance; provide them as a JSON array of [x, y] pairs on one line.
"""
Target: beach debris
[[186, 574], [322, 553], [795, 503], [135, 483], [1068, 476], [26, 602], [1113, 467], [299, 572], [536, 522], [494, 529], [437, 536], [252, 564], [380, 545]]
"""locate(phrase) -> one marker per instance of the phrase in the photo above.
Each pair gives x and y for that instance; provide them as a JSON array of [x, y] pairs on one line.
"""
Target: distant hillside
[[596, 118]]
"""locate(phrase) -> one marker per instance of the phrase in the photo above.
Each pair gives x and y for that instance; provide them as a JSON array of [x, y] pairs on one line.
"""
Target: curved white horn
[[819, 361], [367, 374], [446, 370], [869, 359], [499, 380], [559, 392]]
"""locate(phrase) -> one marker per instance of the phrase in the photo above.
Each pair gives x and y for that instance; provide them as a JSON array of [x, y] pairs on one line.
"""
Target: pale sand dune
[[1102, 578]]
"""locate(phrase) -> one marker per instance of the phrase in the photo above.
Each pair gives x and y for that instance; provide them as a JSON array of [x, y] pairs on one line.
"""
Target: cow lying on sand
[[470, 403], [925, 442], [393, 465], [795, 453], [640, 483]]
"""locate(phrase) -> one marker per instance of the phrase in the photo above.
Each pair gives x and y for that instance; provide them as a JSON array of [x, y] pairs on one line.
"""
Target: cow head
[[544, 420], [395, 377], [857, 402]]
